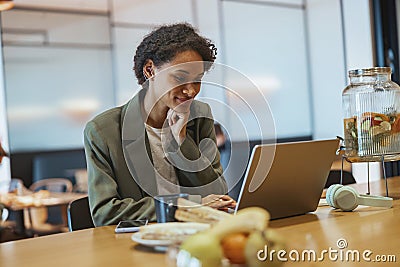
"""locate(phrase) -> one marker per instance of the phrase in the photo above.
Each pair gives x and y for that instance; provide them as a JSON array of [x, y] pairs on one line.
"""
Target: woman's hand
[[177, 122], [221, 202]]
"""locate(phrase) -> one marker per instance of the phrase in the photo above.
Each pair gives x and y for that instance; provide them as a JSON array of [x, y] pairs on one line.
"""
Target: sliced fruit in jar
[[386, 125], [366, 125], [384, 142], [396, 125], [377, 120], [349, 122], [375, 130], [378, 117]]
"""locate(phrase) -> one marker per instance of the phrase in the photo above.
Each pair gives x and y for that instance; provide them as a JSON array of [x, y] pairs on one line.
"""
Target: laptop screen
[[288, 178]]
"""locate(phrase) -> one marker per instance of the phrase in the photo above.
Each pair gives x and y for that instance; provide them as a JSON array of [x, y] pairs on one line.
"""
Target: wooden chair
[[79, 216], [334, 178], [335, 173], [17, 186], [3, 217], [52, 185], [3, 213], [37, 219]]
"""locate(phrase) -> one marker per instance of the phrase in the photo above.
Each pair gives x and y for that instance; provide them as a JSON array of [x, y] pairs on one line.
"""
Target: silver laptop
[[287, 179]]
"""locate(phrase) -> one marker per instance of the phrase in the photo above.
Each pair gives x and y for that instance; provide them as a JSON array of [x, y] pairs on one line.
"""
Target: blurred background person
[[2, 153]]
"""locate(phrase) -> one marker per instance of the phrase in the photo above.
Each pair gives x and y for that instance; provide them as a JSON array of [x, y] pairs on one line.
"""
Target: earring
[[145, 77]]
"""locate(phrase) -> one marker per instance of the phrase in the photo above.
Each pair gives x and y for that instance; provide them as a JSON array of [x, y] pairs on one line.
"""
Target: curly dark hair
[[165, 42]]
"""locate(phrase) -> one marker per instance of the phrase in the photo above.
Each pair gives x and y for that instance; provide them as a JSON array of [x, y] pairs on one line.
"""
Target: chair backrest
[[3, 218], [81, 180], [3, 213], [16, 185], [57, 164], [334, 178], [52, 185], [79, 216], [54, 214]]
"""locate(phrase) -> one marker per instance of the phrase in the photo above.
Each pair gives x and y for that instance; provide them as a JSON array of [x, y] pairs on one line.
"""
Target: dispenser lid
[[370, 71]]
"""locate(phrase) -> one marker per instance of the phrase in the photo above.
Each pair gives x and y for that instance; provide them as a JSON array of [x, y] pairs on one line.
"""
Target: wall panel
[[270, 48], [56, 84], [95, 5], [125, 42], [327, 66], [151, 12]]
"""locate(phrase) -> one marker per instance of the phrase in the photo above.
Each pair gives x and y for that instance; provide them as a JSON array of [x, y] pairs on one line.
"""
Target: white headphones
[[347, 198]]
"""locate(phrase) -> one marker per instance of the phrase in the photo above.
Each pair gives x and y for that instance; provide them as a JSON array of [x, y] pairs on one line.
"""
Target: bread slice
[[172, 231], [193, 212]]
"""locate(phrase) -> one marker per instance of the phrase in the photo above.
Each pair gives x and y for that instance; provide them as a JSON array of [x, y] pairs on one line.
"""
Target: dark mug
[[166, 206]]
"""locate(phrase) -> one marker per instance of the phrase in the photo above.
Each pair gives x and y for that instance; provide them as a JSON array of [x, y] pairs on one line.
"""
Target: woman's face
[[177, 82]]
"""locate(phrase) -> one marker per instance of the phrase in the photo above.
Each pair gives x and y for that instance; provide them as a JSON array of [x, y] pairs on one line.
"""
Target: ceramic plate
[[173, 233]]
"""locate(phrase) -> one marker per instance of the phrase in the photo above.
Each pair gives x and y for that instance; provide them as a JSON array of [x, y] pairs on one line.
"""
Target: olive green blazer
[[122, 181]]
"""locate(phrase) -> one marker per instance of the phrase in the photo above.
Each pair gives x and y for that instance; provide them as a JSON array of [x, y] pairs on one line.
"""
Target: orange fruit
[[233, 246], [375, 116], [396, 124]]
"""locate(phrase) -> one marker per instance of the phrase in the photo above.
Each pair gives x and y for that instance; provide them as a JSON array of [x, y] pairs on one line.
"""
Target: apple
[[201, 249]]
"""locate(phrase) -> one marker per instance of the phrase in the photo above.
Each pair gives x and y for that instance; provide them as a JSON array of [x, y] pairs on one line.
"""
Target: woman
[[161, 126]]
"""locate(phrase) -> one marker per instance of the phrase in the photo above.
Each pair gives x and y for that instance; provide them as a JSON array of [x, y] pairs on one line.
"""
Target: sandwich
[[197, 218], [193, 212]]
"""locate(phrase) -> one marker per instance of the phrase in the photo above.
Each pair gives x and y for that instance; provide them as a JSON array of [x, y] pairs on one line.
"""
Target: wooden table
[[376, 229], [17, 204], [366, 228]]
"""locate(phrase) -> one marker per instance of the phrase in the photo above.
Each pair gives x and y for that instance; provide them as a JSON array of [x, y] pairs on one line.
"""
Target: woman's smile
[[182, 99]]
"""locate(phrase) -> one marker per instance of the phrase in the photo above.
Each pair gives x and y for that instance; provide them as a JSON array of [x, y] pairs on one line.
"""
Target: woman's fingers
[[222, 197], [220, 204], [223, 204], [225, 197], [173, 117], [170, 117], [208, 199], [219, 201], [177, 122]]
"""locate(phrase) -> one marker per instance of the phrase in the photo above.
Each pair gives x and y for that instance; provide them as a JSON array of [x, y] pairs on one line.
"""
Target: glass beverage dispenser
[[371, 106]]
